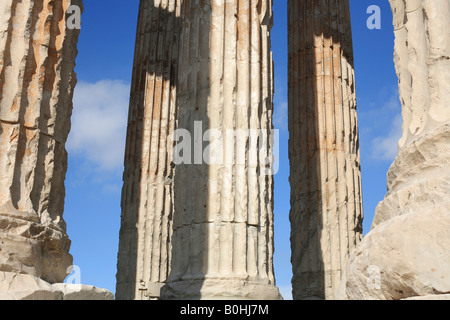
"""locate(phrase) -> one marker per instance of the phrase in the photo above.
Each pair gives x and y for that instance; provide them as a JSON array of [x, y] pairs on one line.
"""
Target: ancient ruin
[[37, 59], [197, 223], [326, 202], [147, 201], [222, 243], [409, 241]]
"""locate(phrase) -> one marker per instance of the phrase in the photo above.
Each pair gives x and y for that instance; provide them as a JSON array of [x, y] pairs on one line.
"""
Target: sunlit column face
[[223, 227], [37, 60]]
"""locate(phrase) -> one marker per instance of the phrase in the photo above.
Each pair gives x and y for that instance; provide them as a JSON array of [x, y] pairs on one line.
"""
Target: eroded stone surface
[[431, 297], [223, 210], [15, 286], [147, 195], [326, 202], [404, 257], [37, 59], [419, 176], [82, 292], [410, 236]]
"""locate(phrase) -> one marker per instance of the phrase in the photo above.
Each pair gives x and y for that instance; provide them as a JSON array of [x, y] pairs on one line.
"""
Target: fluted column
[[420, 174], [37, 59], [405, 254], [223, 196], [147, 195], [326, 201]]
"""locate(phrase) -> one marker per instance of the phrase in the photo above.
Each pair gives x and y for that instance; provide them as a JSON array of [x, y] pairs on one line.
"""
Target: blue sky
[[97, 140]]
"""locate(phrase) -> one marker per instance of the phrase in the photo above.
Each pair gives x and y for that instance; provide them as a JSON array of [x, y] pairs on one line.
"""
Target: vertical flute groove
[[231, 239], [147, 197], [37, 79], [324, 152]]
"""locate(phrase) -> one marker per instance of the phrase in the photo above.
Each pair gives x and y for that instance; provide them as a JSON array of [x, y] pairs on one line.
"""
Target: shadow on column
[[170, 90], [197, 223], [191, 173], [214, 233], [147, 206], [315, 29]]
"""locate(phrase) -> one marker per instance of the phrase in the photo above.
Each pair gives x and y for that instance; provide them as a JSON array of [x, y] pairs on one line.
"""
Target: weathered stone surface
[[419, 176], [82, 292], [223, 210], [32, 248], [431, 297], [221, 289], [410, 252], [410, 239], [37, 79], [326, 201], [422, 60], [37, 59], [147, 195], [15, 286]]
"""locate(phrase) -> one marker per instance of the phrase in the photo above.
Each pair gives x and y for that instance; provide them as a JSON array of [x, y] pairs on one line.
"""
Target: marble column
[[406, 254], [222, 244], [326, 201], [420, 174], [37, 59], [147, 196]]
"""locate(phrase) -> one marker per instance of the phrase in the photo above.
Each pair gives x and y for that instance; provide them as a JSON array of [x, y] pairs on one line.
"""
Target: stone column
[[326, 201], [223, 198], [406, 252], [37, 59], [420, 174], [147, 196]]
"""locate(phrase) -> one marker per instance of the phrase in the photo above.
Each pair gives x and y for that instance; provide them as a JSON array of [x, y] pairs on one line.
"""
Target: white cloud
[[380, 124], [393, 103], [99, 123], [386, 147]]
